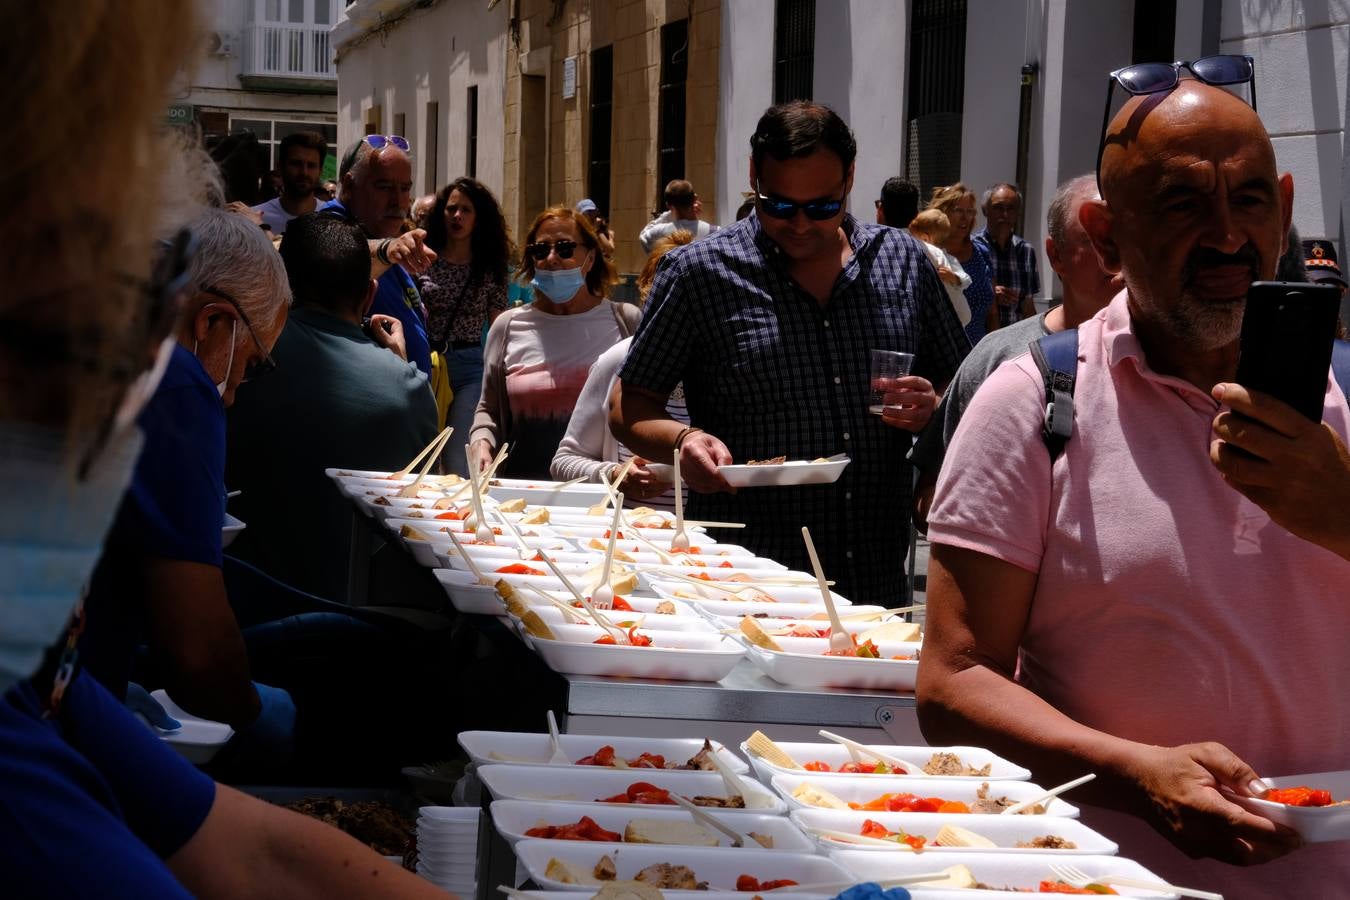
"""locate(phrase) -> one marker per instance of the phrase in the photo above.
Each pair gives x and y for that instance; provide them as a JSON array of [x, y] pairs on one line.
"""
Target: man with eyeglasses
[[770, 324], [160, 581], [1104, 610], [376, 193], [1016, 278]]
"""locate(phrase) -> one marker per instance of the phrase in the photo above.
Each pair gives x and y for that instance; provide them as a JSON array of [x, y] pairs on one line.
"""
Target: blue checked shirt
[[1014, 267], [771, 372]]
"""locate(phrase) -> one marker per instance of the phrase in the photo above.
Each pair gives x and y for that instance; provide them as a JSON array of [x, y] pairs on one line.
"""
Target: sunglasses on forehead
[[540, 250], [380, 141], [1154, 78]]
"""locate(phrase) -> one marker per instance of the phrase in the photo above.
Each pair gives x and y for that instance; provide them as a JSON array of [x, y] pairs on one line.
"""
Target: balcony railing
[[288, 51]]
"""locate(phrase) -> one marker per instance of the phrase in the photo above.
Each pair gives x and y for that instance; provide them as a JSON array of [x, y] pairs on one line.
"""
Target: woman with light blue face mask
[[94, 803], [537, 357]]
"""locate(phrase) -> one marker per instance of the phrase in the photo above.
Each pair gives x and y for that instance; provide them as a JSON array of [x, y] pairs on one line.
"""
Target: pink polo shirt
[[1169, 609]]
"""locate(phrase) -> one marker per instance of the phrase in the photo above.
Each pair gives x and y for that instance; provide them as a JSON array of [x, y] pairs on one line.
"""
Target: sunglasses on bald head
[[380, 141], [1154, 78]]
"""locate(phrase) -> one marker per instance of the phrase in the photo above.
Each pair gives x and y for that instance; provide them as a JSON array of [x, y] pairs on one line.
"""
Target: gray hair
[[235, 256], [990, 191], [1057, 218]]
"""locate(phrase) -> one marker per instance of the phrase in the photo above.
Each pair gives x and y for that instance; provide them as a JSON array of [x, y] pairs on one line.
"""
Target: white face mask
[[51, 534], [229, 361], [144, 387]]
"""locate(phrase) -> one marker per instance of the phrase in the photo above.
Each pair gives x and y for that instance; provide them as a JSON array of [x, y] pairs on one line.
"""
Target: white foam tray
[[803, 664], [789, 601], [587, 784], [863, 788], [513, 818], [1023, 871], [1314, 824], [719, 868], [527, 748], [1006, 831], [792, 472], [836, 755], [674, 655], [198, 740]]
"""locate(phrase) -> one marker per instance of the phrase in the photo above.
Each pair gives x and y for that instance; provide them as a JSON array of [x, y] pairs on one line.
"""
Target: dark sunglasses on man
[[1153, 78], [815, 210]]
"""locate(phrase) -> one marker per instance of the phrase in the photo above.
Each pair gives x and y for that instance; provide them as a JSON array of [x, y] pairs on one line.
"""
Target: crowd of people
[[1093, 583]]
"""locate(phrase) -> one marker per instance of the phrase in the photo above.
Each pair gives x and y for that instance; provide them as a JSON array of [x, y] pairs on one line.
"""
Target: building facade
[[546, 102], [611, 98], [268, 69]]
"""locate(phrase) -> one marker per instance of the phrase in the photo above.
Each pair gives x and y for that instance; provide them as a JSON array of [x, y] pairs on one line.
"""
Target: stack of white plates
[[447, 847]]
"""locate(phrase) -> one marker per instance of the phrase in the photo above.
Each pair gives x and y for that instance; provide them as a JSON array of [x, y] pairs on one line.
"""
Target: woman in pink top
[[537, 356]]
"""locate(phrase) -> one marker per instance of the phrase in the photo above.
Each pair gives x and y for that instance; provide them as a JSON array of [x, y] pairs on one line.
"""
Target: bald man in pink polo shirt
[[1122, 610]]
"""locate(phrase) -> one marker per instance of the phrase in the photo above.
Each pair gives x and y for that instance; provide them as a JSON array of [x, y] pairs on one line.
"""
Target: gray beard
[[1204, 325]]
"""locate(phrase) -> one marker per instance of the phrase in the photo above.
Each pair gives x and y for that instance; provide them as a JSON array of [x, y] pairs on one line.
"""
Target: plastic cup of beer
[[887, 366]]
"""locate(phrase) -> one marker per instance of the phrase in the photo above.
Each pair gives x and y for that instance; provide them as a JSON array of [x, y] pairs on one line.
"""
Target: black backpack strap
[[1340, 364], [1056, 355]]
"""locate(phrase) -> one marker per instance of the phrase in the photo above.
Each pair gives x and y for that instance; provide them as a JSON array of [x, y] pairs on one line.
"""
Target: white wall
[[1301, 50], [432, 55], [996, 32], [214, 81], [860, 71], [745, 66]]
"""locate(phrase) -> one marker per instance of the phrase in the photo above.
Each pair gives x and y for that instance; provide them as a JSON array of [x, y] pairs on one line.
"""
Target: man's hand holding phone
[[1295, 469]]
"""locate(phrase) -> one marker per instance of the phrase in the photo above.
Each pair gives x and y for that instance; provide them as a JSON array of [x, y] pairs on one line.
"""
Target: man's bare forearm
[[639, 419], [981, 707]]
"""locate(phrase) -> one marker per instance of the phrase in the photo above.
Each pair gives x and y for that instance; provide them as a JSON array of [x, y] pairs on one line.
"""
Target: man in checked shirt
[[769, 324], [1016, 279]]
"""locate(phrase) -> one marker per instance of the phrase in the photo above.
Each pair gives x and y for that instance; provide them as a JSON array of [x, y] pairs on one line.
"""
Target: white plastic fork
[[602, 595], [855, 747], [557, 757], [614, 631], [1048, 795], [679, 540], [706, 818], [1078, 878], [735, 784], [840, 640]]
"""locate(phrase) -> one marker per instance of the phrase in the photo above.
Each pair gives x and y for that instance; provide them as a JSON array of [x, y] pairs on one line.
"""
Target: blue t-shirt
[[91, 802], [397, 296], [173, 509]]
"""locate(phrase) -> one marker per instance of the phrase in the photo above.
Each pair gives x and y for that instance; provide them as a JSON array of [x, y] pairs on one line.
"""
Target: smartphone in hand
[[1287, 333]]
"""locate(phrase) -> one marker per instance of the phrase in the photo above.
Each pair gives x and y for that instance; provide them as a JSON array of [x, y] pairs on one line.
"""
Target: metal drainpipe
[[1024, 137]]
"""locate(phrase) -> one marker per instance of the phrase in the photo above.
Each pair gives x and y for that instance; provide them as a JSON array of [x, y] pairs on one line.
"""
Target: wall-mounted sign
[[569, 85], [179, 114]]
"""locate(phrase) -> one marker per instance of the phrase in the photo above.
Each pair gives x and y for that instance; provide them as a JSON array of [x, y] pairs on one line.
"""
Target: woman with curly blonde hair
[[958, 202]]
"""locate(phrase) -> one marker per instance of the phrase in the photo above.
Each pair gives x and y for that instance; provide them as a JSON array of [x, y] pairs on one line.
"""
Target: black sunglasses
[[541, 249], [258, 368], [1152, 78], [815, 210]]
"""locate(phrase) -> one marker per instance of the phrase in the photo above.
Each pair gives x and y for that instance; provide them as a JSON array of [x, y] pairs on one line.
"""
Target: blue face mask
[[559, 285], [51, 534]]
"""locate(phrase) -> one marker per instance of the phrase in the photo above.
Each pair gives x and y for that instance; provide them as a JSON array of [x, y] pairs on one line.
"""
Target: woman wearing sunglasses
[[537, 356], [958, 202], [464, 289]]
